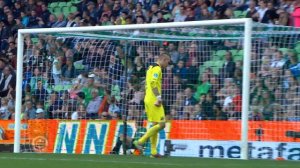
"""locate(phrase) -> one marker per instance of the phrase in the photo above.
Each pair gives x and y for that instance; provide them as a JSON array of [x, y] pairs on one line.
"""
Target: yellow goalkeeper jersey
[[153, 79]]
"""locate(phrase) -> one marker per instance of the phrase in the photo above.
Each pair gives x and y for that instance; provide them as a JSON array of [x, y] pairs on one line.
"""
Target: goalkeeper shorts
[[154, 113]]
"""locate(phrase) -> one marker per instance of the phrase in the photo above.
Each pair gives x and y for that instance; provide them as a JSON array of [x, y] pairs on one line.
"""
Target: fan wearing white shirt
[[71, 22], [261, 10], [56, 69], [278, 61]]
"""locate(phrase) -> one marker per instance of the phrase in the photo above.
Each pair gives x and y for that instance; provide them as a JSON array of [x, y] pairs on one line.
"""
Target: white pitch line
[[90, 160]]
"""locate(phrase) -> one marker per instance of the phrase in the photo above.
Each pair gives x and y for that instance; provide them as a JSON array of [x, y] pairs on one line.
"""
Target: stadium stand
[[20, 14]]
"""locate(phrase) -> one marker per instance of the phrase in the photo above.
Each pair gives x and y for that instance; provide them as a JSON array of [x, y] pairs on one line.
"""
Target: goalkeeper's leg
[[156, 115], [151, 133], [153, 142]]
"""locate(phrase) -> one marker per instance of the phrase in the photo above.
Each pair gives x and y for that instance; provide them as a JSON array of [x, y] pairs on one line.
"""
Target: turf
[[8, 160]]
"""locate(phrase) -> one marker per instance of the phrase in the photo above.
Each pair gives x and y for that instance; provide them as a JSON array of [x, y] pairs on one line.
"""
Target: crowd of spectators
[[73, 78]]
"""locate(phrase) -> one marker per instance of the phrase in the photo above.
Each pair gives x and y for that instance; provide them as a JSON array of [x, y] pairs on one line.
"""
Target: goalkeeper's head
[[163, 60]]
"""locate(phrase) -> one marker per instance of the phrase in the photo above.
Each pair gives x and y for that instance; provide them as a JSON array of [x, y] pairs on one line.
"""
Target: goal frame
[[247, 22]]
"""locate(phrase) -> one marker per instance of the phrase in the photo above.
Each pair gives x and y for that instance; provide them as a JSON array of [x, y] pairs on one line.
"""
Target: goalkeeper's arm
[[157, 95], [154, 86]]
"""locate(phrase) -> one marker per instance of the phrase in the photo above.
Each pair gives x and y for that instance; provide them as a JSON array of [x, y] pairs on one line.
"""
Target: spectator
[[261, 12], [193, 55], [71, 21], [68, 71], [92, 10], [105, 116], [180, 16], [115, 68], [40, 113], [270, 83], [93, 105], [35, 78], [113, 108], [51, 21], [283, 18], [17, 26], [237, 102], [5, 32], [238, 4], [45, 13], [265, 71], [258, 89], [292, 59], [55, 106], [115, 90], [136, 102], [278, 60], [190, 16], [215, 86], [33, 20], [56, 69], [105, 21], [180, 70], [296, 13], [40, 93], [291, 114], [189, 100], [238, 77], [138, 8], [30, 111], [30, 6], [227, 71], [173, 53], [205, 14], [4, 113], [60, 21], [270, 15], [87, 89], [220, 9], [203, 87], [160, 17], [193, 72], [17, 10], [80, 113], [279, 114], [7, 78], [207, 105], [139, 70], [226, 90], [106, 10], [228, 14], [267, 103], [81, 99], [252, 11], [116, 11], [256, 115], [24, 19]]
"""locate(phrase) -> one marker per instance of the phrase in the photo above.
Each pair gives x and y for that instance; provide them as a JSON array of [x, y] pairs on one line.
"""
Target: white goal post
[[246, 64]]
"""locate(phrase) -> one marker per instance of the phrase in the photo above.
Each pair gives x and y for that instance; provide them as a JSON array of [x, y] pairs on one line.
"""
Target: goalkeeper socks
[[153, 142], [152, 131]]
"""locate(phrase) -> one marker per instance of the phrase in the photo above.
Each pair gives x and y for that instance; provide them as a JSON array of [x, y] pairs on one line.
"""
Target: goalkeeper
[[153, 104]]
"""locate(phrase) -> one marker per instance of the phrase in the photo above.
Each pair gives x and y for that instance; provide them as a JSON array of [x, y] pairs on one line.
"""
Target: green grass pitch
[[9, 160]]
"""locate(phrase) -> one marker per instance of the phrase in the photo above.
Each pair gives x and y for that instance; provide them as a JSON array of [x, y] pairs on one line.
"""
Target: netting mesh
[[101, 75]]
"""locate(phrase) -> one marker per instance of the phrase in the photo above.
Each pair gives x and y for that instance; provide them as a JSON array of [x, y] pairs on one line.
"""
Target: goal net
[[82, 91]]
